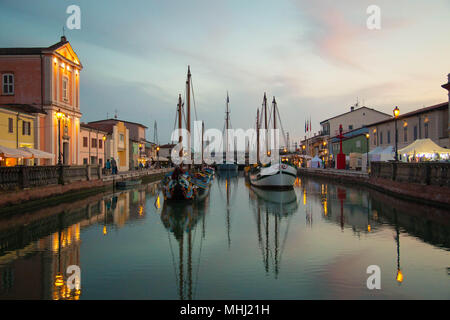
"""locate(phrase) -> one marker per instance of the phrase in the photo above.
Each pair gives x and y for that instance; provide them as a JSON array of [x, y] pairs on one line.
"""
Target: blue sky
[[316, 57]]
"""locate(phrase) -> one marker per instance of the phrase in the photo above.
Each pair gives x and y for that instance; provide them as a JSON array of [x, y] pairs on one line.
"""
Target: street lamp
[[396, 112], [104, 150], [157, 156], [59, 115], [367, 150]]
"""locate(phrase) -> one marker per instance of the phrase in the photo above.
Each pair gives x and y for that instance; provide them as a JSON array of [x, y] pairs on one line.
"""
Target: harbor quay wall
[[427, 183], [60, 184]]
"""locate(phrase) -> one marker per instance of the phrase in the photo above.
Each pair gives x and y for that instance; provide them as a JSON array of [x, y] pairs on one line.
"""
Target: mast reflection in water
[[313, 242]]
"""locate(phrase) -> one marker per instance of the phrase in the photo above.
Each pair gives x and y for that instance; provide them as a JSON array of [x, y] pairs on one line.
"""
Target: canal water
[[314, 242]]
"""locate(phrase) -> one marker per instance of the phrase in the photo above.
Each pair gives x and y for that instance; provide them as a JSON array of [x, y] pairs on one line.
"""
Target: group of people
[[111, 166]]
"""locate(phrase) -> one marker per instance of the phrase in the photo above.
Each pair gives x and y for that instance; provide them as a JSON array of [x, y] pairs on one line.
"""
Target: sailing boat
[[280, 175], [228, 165], [185, 184]]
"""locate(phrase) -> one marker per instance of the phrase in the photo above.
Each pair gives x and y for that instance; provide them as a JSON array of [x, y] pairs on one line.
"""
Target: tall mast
[[180, 137], [203, 135], [188, 98], [227, 126], [274, 106], [265, 121], [274, 103], [257, 136]]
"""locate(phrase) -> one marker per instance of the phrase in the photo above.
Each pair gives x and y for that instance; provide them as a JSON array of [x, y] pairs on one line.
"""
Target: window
[[65, 88], [10, 125], [85, 161], [381, 137], [100, 162], [100, 143], [8, 83], [389, 137], [26, 128], [85, 142], [350, 127], [426, 129], [358, 143], [415, 132], [94, 143], [121, 137], [405, 134]]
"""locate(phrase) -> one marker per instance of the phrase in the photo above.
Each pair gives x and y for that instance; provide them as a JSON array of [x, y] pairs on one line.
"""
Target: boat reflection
[[277, 208], [228, 180], [181, 220]]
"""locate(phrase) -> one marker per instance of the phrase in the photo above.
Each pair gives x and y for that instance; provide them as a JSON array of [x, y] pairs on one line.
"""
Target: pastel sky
[[316, 57]]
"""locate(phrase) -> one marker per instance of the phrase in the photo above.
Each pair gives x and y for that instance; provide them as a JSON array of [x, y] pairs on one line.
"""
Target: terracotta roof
[[168, 145], [364, 107], [88, 126], [440, 106], [19, 107], [106, 127], [118, 120], [32, 51]]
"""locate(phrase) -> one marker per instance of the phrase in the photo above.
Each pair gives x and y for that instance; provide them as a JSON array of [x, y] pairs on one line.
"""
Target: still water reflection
[[314, 242]]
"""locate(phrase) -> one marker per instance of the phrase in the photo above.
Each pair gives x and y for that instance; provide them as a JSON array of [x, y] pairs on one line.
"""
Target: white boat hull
[[274, 177]]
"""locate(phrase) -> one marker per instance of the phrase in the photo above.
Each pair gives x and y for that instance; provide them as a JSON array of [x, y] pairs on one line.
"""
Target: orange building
[[47, 78]]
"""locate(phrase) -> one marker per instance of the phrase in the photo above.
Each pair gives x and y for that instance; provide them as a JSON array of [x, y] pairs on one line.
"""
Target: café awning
[[14, 153], [38, 154]]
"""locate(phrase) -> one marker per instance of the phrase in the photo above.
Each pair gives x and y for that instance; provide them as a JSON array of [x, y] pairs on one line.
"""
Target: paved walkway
[[135, 173], [334, 172]]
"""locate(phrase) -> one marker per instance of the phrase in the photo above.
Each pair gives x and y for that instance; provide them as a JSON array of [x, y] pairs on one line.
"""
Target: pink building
[[92, 145], [47, 78]]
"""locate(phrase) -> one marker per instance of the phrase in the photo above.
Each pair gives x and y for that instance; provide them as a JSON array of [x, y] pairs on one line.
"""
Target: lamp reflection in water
[[65, 239], [399, 277]]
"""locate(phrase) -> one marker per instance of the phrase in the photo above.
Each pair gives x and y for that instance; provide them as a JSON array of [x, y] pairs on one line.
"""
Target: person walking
[[114, 166], [108, 166]]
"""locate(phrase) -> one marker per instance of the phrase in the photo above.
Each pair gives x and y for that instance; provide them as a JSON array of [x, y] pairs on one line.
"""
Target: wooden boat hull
[[280, 176]]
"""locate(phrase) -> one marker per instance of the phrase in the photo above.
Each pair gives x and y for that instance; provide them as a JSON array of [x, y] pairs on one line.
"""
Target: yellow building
[[117, 144], [17, 129]]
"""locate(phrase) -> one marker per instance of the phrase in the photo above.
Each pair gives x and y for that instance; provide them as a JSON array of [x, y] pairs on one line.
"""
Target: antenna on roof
[[115, 114], [107, 115], [64, 31]]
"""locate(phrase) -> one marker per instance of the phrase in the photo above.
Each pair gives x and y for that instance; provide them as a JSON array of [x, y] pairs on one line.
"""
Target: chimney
[[63, 39], [352, 108]]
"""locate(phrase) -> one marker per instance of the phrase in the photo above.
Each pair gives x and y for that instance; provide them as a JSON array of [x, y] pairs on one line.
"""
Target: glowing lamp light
[[157, 148], [59, 115], [158, 203], [55, 60], [303, 147], [104, 138], [399, 277], [268, 153], [59, 280], [104, 230], [396, 112], [367, 136], [369, 228]]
